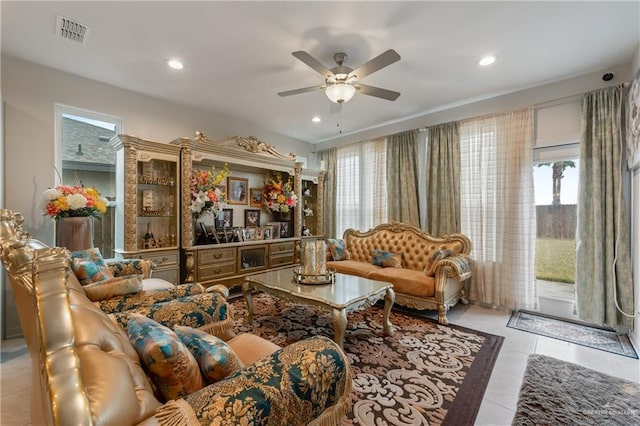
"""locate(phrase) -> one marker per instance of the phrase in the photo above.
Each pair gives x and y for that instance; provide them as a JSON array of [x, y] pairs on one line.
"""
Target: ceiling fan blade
[[380, 61], [313, 63], [303, 90], [389, 95]]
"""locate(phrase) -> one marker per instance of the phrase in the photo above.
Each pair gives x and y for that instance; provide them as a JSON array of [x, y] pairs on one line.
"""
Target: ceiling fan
[[342, 82]]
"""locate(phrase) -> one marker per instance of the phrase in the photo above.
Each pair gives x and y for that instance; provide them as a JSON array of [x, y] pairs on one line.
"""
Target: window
[[85, 156], [361, 186]]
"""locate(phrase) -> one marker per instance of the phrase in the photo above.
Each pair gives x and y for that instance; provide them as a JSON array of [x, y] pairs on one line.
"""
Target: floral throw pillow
[[89, 266], [430, 270], [386, 259], [338, 249], [106, 289], [214, 356], [171, 367]]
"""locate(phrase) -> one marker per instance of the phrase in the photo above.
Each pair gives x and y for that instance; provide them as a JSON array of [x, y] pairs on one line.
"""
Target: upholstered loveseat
[[86, 370], [427, 272]]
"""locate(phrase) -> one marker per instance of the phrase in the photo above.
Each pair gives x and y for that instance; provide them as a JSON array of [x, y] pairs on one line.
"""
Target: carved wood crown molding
[[250, 144]]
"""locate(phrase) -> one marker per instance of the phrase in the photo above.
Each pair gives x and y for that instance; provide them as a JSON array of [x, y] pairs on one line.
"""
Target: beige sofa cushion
[[353, 267], [406, 281], [249, 348]]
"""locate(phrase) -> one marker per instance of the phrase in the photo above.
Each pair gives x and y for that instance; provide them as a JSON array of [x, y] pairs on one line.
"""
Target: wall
[[507, 102], [30, 92]]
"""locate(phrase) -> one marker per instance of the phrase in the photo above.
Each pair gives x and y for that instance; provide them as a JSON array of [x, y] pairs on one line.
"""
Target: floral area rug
[[580, 334], [425, 374]]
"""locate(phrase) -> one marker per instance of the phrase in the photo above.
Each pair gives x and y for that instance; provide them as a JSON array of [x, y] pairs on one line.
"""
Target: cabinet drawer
[[284, 260], [284, 247], [162, 259], [213, 272], [217, 255], [170, 275]]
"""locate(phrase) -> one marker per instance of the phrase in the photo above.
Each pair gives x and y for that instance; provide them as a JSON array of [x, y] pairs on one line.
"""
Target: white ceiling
[[237, 55]]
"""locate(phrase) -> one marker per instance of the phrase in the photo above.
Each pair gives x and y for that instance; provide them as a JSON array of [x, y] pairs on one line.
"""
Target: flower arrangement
[[205, 192], [73, 201], [278, 195]]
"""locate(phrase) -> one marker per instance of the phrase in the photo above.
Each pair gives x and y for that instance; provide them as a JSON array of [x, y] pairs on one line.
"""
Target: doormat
[[584, 335]]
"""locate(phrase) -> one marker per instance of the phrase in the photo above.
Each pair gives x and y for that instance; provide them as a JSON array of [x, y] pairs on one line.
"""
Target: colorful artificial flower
[[278, 195], [73, 201], [206, 194]]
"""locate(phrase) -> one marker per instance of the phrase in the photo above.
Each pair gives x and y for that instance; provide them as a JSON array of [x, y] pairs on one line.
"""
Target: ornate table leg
[[246, 292], [389, 298], [339, 326]]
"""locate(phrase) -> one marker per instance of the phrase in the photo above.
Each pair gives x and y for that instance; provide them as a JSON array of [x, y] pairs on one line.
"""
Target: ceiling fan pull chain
[[340, 119]]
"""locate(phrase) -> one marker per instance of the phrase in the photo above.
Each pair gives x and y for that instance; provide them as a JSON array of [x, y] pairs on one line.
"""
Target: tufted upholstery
[[85, 371], [411, 284]]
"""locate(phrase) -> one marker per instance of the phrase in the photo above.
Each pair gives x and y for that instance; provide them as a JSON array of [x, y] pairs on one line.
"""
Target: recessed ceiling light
[[175, 64], [487, 60], [316, 119]]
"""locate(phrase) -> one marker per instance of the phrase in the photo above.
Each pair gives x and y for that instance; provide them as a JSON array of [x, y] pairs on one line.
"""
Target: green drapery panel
[[443, 179], [402, 178], [603, 268], [330, 158]]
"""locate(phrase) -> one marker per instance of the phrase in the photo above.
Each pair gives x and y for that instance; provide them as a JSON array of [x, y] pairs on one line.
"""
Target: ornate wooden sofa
[[432, 272], [85, 369]]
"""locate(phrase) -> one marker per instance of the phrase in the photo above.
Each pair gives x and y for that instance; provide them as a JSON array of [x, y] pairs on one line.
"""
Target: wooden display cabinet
[[147, 203]]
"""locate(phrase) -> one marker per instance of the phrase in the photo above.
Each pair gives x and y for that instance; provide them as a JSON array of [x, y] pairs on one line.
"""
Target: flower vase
[[208, 218], [282, 216], [74, 233]]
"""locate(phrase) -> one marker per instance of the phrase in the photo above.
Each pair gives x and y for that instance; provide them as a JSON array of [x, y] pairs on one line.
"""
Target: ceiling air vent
[[71, 30]]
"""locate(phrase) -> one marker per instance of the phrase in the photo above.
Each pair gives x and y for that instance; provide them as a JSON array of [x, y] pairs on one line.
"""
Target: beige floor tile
[[492, 414]]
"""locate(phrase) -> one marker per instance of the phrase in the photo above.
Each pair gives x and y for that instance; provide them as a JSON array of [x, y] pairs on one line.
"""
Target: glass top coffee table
[[347, 294]]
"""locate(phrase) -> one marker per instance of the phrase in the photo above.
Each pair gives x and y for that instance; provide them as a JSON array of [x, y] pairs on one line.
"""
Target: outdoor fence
[[556, 221]]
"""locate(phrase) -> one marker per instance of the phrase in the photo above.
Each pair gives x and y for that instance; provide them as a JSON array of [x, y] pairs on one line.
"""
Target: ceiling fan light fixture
[[340, 92]]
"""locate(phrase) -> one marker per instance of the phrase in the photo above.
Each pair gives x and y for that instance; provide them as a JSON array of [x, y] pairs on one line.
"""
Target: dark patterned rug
[[580, 334], [425, 374]]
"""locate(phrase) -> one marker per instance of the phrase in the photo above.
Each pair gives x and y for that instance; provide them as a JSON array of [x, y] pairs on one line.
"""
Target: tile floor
[[499, 401]]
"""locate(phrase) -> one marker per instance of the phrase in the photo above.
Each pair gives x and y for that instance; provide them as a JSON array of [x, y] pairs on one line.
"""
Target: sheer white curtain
[[361, 180], [498, 207]]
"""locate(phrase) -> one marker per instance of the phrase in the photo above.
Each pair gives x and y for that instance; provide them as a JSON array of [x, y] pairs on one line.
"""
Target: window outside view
[[556, 191]]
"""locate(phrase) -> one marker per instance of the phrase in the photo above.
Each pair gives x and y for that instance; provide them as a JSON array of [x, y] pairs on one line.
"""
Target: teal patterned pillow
[[430, 270], [169, 363], [215, 358], [386, 259], [338, 249], [89, 266]]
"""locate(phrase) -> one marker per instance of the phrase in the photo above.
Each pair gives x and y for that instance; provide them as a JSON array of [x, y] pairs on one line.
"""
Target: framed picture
[[238, 190], [225, 219], [275, 229], [284, 229], [255, 197], [268, 232], [251, 218]]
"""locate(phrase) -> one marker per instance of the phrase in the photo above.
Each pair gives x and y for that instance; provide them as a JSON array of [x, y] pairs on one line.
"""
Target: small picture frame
[[268, 232], [255, 197], [224, 219], [275, 229], [251, 218], [284, 229], [260, 233], [238, 190], [239, 234]]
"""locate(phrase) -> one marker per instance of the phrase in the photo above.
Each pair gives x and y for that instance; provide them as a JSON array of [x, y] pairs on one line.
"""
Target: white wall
[[30, 92], [522, 99]]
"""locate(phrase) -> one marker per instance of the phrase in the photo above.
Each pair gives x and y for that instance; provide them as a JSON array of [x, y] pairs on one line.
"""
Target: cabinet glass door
[[157, 206], [309, 206]]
